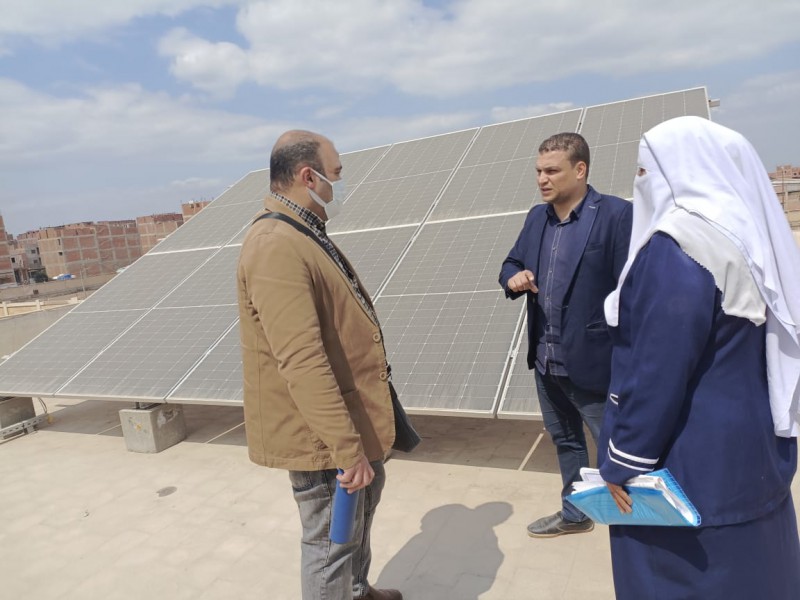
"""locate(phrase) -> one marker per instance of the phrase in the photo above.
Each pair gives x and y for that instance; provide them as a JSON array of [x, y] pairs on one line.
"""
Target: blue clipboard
[[665, 505]]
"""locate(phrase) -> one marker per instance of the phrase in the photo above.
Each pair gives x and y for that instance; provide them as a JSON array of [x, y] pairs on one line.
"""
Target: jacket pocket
[[597, 328]]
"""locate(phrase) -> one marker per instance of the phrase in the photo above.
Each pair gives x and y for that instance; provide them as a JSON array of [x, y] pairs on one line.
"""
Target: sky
[[113, 110]]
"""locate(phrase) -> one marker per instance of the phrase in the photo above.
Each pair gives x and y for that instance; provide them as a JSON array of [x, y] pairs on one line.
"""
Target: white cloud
[[215, 68], [52, 21], [120, 152], [106, 123], [473, 44], [123, 123]]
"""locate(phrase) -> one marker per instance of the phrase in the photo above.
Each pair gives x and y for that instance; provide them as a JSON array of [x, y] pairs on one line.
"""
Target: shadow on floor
[[455, 554]]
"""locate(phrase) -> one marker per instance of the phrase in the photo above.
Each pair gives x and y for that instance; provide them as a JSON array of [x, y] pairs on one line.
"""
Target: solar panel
[[218, 377], [426, 225], [212, 227], [149, 359], [448, 356], [252, 186], [46, 363], [498, 174], [374, 253], [390, 202], [456, 256], [428, 155], [612, 168], [447, 323], [356, 165], [213, 284], [613, 132], [518, 139], [145, 282]]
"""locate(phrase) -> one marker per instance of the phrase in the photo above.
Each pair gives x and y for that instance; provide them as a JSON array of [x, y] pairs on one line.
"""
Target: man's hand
[[522, 282], [621, 497], [356, 477]]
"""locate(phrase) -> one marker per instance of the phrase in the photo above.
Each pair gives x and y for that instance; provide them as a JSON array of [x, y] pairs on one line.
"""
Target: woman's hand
[[621, 497]]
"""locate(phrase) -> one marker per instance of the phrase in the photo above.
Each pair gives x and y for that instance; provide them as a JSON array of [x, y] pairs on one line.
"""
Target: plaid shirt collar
[[308, 217], [318, 226]]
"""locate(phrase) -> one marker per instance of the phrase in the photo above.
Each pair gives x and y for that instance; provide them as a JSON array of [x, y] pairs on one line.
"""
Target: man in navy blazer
[[566, 260]]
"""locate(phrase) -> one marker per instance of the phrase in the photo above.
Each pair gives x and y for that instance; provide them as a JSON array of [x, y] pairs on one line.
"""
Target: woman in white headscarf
[[705, 371]]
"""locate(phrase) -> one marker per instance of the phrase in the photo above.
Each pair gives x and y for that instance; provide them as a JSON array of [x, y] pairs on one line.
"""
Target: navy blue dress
[[689, 392]]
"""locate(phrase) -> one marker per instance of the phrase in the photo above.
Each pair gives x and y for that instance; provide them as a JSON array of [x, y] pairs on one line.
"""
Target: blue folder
[[650, 506]]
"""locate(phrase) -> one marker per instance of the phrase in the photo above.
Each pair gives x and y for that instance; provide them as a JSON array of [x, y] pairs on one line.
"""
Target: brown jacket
[[316, 394]]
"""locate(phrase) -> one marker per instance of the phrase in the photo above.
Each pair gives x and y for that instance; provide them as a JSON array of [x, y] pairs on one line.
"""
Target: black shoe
[[554, 525]]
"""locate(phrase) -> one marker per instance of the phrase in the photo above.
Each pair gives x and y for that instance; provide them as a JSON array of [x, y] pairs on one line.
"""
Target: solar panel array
[[427, 224]]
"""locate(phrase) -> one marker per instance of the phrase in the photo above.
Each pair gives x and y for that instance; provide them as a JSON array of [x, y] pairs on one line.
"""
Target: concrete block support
[[14, 410], [152, 429]]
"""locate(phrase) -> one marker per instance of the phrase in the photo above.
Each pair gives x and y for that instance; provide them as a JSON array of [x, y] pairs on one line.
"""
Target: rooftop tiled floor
[[83, 518]]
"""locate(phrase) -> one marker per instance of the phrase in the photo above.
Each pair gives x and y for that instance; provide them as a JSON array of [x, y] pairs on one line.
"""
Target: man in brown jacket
[[316, 392]]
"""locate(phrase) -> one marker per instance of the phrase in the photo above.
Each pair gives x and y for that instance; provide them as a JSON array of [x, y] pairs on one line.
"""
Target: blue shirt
[[553, 278]]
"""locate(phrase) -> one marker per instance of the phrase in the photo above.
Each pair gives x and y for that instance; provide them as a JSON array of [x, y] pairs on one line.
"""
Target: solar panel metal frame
[[524, 379], [450, 162]]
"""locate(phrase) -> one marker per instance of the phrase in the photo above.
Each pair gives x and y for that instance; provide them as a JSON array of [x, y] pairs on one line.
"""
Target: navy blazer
[[604, 231]]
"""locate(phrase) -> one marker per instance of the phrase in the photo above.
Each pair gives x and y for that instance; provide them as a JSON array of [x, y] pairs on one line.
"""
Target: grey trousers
[[334, 571]]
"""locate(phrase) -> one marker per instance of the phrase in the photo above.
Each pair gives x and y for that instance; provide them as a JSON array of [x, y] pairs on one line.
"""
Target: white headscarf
[[706, 187]]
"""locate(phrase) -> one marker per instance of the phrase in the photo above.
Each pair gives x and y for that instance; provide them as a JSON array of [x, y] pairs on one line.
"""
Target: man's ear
[[305, 176], [581, 169]]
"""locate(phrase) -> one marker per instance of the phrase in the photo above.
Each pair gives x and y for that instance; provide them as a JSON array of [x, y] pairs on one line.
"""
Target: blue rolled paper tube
[[344, 514]]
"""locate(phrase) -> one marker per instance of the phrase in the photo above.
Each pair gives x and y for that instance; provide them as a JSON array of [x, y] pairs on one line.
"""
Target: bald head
[[294, 150]]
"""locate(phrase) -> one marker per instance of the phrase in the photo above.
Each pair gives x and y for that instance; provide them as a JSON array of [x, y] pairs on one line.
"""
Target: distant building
[[786, 182], [785, 172], [118, 243], [6, 266], [190, 209], [154, 228], [88, 249], [25, 258], [789, 195]]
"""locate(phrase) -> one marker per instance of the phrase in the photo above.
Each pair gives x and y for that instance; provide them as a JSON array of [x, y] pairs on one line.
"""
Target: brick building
[[118, 243], [190, 209], [6, 266], [789, 195], [786, 182], [25, 258], [785, 172], [88, 249], [154, 228]]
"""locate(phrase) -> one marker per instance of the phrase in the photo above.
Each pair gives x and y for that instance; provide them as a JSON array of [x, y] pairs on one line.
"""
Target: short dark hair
[[288, 158], [572, 143]]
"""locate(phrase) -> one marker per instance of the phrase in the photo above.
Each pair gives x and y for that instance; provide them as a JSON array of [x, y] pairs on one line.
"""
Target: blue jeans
[[565, 408], [334, 571]]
